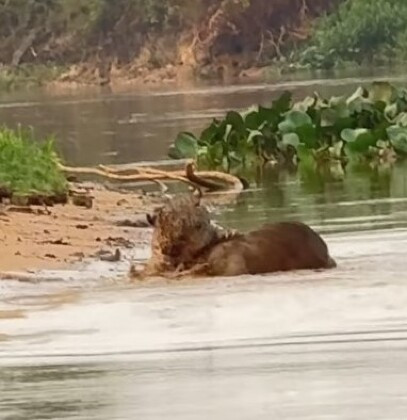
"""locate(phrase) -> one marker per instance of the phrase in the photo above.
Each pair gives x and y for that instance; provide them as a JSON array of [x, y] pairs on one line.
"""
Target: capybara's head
[[182, 227]]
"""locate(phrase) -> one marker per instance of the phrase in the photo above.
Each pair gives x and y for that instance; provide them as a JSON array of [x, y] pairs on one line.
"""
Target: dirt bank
[[150, 42], [55, 237], [170, 76]]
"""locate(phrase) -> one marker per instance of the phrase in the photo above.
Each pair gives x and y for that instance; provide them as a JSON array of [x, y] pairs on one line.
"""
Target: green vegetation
[[29, 168], [359, 31], [370, 124], [27, 76]]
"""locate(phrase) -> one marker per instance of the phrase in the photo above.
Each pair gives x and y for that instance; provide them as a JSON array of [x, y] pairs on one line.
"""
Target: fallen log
[[211, 180]]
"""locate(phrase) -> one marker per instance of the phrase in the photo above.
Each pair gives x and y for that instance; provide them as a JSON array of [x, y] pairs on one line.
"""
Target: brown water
[[105, 128], [302, 345]]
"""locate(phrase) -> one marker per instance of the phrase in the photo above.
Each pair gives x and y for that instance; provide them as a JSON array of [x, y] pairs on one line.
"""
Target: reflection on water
[[364, 199], [306, 383], [303, 345], [59, 399]]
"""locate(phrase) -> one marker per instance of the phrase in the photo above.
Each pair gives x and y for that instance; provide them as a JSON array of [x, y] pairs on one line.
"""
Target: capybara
[[274, 247], [186, 241]]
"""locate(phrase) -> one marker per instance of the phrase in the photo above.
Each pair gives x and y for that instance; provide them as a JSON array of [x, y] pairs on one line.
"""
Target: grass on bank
[[29, 167], [28, 76]]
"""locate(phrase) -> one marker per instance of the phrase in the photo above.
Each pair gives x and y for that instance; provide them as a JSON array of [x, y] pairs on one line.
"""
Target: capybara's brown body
[[274, 247], [187, 242]]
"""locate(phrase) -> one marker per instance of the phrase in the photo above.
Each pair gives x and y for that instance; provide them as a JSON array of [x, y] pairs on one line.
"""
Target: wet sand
[[57, 237]]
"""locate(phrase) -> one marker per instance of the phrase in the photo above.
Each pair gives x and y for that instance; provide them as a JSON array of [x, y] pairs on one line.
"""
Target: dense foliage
[[360, 30], [370, 123], [28, 167]]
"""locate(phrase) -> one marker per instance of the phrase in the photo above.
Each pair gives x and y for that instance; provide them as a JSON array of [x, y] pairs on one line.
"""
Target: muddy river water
[[303, 345]]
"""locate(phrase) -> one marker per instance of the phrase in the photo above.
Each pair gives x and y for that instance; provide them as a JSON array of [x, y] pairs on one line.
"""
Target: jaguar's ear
[[151, 219]]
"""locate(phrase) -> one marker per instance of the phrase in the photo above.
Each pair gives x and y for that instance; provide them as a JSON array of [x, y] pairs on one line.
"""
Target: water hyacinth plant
[[370, 123]]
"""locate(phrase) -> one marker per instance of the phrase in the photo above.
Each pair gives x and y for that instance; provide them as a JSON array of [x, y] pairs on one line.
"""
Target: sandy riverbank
[[160, 78], [56, 237]]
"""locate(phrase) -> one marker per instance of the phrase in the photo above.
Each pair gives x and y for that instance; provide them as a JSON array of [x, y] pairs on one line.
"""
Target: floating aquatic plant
[[371, 122]]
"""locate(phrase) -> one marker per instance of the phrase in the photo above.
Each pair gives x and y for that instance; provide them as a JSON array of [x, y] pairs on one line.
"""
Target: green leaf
[[186, 145], [359, 93], [350, 135], [269, 115], [304, 105], [360, 139], [252, 120], [391, 111], [282, 104], [329, 117], [340, 107], [210, 133], [304, 153], [252, 135], [382, 144], [308, 135], [203, 150], [401, 119], [215, 152], [293, 120], [299, 118], [358, 101], [291, 139], [228, 132], [337, 101], [236, 121], [235, 157], [173, 153], [398, 138], [248, 111], [382, 92]]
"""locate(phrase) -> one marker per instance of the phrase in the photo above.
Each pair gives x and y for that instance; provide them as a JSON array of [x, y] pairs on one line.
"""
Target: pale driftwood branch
[[212, 180], [141, 176], [219, 180]]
